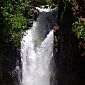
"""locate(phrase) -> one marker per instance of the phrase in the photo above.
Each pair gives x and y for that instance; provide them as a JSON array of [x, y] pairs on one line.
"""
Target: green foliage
[[79, 29], [49, 1], [17, 25], [15, 21]]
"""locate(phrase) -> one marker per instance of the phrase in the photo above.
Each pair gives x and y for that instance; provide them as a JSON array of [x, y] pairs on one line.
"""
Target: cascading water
[[37, 50]]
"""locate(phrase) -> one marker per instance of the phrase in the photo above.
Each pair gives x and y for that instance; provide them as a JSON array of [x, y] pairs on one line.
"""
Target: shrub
[[79, 29], [15, 21]]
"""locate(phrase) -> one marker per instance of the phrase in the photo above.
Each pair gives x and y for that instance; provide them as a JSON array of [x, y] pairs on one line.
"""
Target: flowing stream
[[37, 49]]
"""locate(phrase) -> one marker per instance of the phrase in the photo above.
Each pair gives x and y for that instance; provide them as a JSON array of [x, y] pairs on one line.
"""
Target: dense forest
[[15, 16]]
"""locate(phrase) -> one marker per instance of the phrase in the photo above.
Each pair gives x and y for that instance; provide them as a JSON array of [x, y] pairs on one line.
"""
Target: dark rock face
[[82, 4], [8, 57], [69, 63]]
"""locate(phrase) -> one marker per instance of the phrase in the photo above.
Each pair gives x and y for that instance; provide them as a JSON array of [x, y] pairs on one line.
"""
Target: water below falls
[[37, 51]]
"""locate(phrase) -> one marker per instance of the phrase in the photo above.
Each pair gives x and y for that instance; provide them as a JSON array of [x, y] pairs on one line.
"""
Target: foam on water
[[37, 51]]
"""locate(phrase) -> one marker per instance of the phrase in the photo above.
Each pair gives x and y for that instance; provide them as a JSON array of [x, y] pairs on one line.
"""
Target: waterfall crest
[[37, 51]]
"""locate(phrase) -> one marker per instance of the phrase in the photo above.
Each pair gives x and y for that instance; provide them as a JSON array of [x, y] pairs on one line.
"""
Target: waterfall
[[37, 50]]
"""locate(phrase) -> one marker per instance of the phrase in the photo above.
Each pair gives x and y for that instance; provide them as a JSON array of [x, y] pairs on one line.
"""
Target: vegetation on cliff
[[78, 25], [13, 20], [79, 29], [79, 22], [70, 56], [73, 10]]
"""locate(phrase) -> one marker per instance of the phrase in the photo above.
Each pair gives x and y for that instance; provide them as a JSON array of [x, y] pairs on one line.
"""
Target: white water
[[37, 51]]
